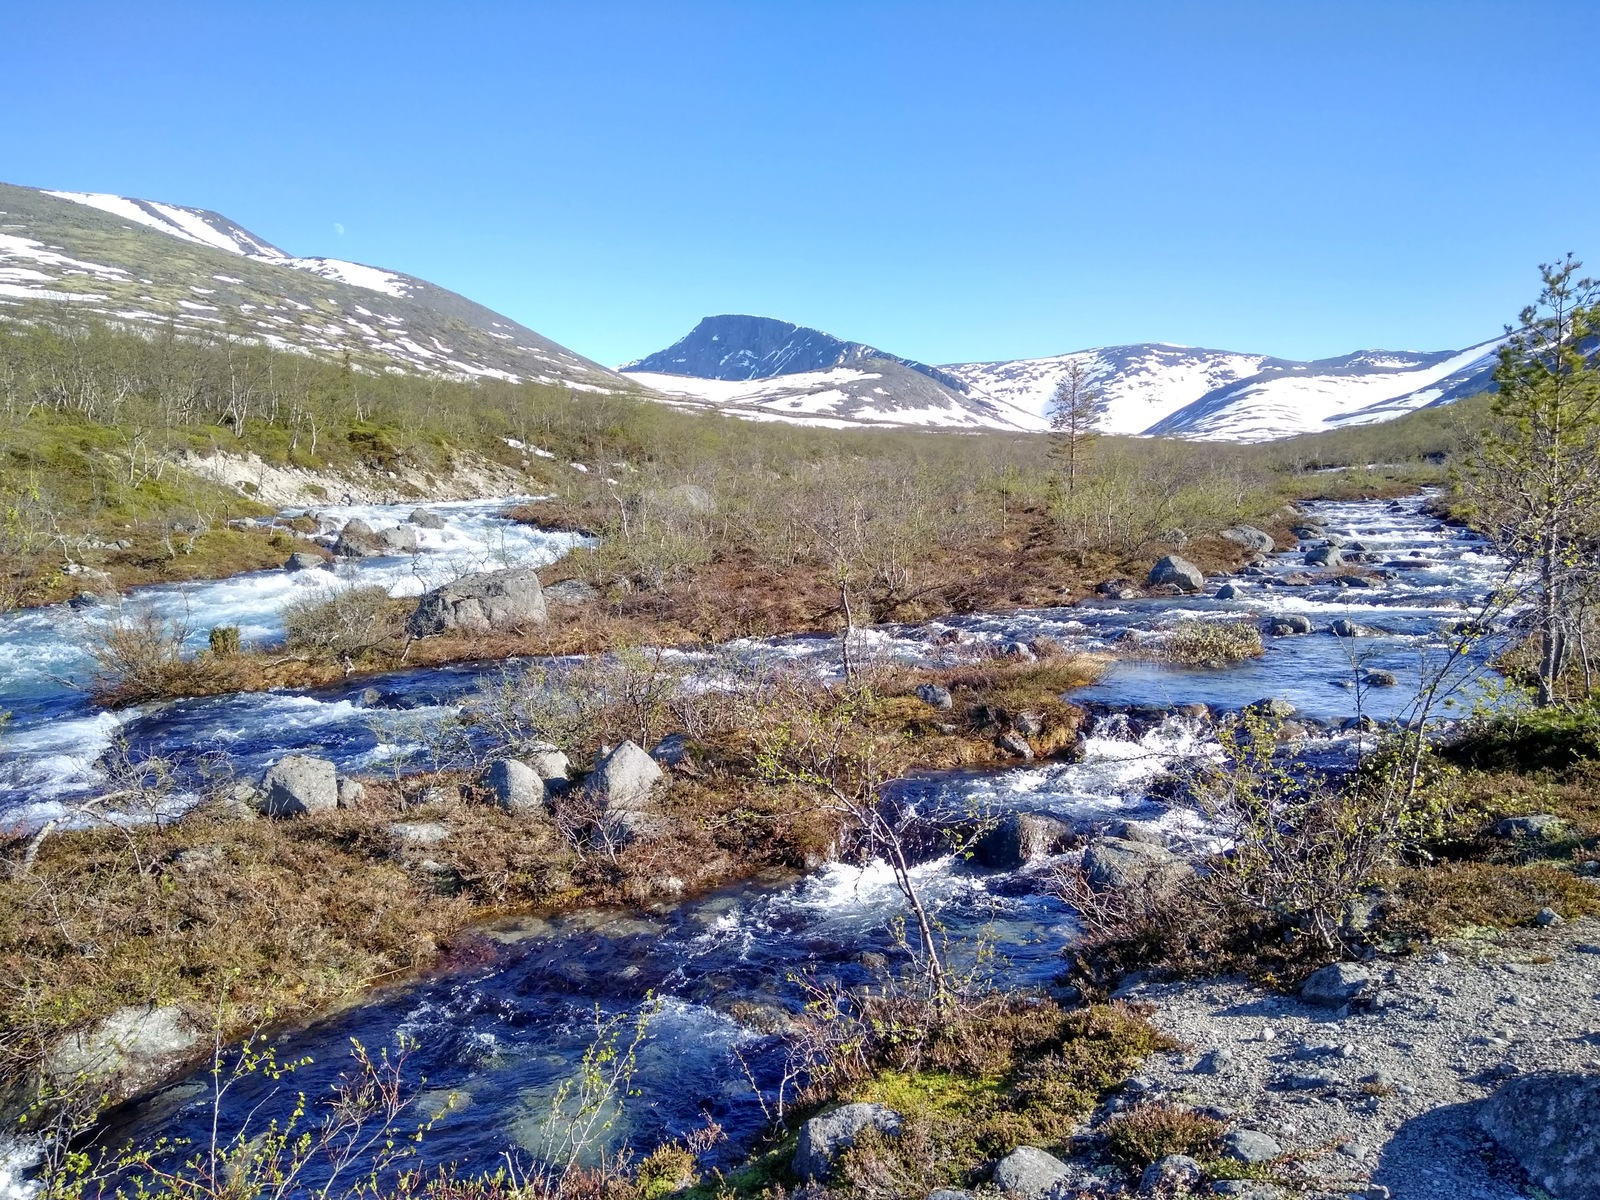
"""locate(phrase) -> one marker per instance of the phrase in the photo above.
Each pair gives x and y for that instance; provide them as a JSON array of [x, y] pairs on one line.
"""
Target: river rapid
[[495, 1039]]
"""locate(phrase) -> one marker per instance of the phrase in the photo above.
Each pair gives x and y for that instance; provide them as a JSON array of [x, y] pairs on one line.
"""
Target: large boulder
[[1020, 838], [1542, 826], [514, 786], [303, 560], [132, 1049], [1290, 625], [1028, 1173], [550, 763], [823, 1139], [1337, 985], [1325, 555], [935, 696], [299, 783], [1112, 863], [622, 787], [489, 602], [1550, 1123], [1179, 572], [423, 519], [357, 540], [398, 539], [1250, 538]]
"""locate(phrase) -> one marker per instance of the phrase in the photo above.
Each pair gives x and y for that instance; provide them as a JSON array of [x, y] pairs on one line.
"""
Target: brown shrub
[[1149, 1132]]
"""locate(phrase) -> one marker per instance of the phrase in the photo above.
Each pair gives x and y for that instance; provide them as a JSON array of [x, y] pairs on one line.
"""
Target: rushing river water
[[496, 1039]]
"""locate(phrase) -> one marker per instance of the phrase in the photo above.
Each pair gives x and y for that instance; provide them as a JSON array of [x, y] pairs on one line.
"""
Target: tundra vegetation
[[710, 529]]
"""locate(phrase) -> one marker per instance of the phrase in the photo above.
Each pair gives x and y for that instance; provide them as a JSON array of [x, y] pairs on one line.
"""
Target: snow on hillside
[[1139, 384]]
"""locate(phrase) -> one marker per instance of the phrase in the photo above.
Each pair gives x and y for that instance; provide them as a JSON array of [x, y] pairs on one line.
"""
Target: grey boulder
[[491, 601], [823, 1139], [1020, 838], [132, 1049], [1179, 572], [1337, 985], [935, 696], [622, 786], [423, 519], [1345, 628], [357, 540], [1324, 556], [1536, 825], [303, 560], [549, 763], [1175, 1172], [1028, 1173], [1229, 591], [514, 786], [1290, 624], [1550, 1123], [1250, 538], [1250, 1146], [299, 783], [1116, 863]]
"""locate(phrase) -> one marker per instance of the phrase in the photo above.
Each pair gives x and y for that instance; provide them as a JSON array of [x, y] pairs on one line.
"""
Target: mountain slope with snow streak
[[144, 263]]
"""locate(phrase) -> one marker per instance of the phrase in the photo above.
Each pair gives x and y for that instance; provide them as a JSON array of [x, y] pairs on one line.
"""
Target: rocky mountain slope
[[145, 263], [761, 368]]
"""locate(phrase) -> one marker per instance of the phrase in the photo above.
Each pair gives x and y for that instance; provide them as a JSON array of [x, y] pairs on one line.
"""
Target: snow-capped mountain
[[146, 263], [766, 369]]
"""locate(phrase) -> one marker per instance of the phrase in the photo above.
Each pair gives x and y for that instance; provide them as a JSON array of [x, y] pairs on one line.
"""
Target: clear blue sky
[[948, 181]]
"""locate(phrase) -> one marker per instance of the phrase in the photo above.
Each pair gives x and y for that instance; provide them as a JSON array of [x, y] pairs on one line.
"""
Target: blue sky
[[948, 181]]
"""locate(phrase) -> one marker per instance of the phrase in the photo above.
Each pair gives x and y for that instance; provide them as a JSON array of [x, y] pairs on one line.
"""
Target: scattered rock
[[569, 593], [1290, 624], [935, 696], [1229, 591], [303, 560], [823, 1139], [1547, 917], [1020, 838], [1250, 1146], [1217, 1062], [1114, 863], [1015, 743], [1178, 572], [483, 603], [424, 519], [671, 750], [1354, 581], [1028, 724], [419, 833], [132, 1049], [1117, 589], [1251, 538], [1273, 708], [515, 786], [1326, 555], [1337, 985], [621, 787], [299, 783], [1543, 826], [357, 540], [550, 763], [1174, 1172], [349, 792], [1028, 1173], [1345, 628], [1550, 1123], [1376, 678]]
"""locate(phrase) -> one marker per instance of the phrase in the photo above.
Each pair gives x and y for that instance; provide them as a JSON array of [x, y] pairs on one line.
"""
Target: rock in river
[[1179, 572], [488, 602]]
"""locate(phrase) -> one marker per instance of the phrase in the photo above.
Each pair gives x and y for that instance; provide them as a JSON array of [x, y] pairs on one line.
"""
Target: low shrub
[[1149, 1132], [1209, 643], [346, 623]]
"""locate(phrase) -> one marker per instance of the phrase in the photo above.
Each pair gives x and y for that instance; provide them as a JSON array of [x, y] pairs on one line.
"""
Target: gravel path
[[1386, 1093]]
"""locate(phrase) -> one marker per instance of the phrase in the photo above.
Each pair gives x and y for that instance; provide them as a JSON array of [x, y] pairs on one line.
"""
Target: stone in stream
[[1251, 538], [1178, 572], [1290, 625], [935, 696], [1274, 708], [1115, 863], [1229, 591], [514, 786], [1376, 678], [492, 601], [621, 786], [357, 540], [1550, 1124], [1337, 985], [1020, 838], [303, 560], [423, 519], [398, 539], [299, 783], [824, 1138], [1346, 628], [1326, 555], [134, 1048], [1015, 743], [1354, 581]]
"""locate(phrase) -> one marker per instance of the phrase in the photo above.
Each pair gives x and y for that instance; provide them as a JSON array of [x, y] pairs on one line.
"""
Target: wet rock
[[823, 1139], [370, 698], [1177, 572], [621, 786], [1345, 628], [299, 783], [1251, 538], [1020, 838], [1542, 826], [1015, 743], [1137, 831], [423, 519], [1376, 678], [1028, 724], [303, 560], [1229, 591], [350, 792], [130, 1050], [1354, 581], [1117, 589], [1325, 555], [1290, 625], [569, 593], [1337, 985], [357, 540], [483, 603], [1115, 863], [935, 696], [1175, 1172], [1274, 708], [1250, 1146], [1550, 1123], [514, 786], [1028, 1173]]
